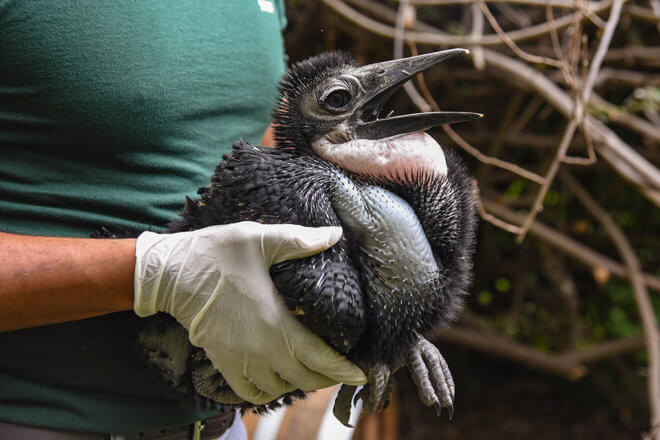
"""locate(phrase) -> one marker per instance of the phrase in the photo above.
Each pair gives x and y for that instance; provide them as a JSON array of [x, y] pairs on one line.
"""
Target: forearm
[[46, 280]]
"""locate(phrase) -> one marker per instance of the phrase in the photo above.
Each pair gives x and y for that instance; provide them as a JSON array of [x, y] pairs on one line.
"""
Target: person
[[111, 112]]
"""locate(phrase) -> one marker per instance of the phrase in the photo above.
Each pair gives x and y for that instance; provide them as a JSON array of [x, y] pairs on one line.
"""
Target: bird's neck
[[396, 258]]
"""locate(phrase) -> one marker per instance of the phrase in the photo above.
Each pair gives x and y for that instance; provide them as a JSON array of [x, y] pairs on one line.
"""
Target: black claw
[[386, 403], [450, 408], [438, 408], [387, 396], [342, 409]]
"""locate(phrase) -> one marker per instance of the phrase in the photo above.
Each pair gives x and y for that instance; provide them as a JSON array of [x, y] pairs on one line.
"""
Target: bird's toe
[[431, 374]]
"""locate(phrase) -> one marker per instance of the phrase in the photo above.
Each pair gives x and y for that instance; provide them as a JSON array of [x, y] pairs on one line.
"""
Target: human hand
[[215, 282]]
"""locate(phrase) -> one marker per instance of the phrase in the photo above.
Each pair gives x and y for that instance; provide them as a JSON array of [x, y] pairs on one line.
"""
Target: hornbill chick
[[402, 267]]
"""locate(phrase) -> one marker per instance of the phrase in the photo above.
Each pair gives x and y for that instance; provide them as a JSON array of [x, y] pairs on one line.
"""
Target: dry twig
[[512, 45], [569, 364], [576, 117], [443, 39], [649, 321]]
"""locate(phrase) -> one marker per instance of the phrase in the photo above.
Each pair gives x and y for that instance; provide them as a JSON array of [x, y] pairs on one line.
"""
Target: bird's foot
[[378, 390], [375, 395], [431, 374]]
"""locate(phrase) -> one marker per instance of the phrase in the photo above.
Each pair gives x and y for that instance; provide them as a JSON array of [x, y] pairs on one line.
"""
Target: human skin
[[49, 280]]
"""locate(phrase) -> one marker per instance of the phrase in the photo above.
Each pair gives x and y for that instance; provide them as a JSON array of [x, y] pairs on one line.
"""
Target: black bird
[[403, 266]]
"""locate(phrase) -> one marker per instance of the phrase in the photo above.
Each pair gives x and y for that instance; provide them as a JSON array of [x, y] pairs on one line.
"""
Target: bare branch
[[626, 119], [567, 4], [569, 364], [477, 33], [414, 95], [442, 39], [569, 246], [643, 14], [576, 117], [512, 45], [491, 218], [549, 177], [630, 77], [384, 12], [644, 54], [516, 16], [491, 160], [649, 321], [628, 162]]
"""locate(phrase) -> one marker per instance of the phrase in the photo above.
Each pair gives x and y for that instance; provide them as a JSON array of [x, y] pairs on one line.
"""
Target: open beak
[[381, 80]]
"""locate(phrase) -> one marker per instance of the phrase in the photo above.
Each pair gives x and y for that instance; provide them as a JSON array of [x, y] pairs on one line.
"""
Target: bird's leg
[[377, 389], [431, 374]]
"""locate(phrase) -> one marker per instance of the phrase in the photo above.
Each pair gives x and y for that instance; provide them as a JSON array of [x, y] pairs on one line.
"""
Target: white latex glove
[[215, 282]]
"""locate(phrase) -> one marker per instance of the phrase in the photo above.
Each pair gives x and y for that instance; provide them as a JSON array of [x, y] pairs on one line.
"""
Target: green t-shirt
[[111, 112]]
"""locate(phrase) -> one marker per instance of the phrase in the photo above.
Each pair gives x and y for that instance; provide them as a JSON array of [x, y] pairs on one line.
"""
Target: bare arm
[[46, 280]]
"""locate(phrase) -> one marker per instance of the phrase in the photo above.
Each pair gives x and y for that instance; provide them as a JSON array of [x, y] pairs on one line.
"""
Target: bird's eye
[[337, 100]]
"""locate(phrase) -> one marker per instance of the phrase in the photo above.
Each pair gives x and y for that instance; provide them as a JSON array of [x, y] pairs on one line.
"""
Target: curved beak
[[381, 80]]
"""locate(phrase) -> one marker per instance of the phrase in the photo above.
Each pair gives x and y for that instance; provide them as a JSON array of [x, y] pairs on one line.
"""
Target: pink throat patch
[[388, 159]]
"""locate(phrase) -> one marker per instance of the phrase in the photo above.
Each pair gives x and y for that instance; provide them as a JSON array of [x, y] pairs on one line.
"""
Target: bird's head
[[332, 108]]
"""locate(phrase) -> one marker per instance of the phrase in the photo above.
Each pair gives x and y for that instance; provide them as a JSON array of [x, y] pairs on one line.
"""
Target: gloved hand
[[215, 282]]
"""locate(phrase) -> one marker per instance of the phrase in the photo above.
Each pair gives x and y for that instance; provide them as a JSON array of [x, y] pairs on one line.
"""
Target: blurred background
[[559, 338]]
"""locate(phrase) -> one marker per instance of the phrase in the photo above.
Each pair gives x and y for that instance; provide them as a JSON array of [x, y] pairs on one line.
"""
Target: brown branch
[[569, 364], [414, 95], [384, 12], [527, 114], [440, 38], [491, 160], [491, 218], [645, 54], [476, 34], [576, 116], [644, 305], [643, 14], [569, 246], [519, 18], [629, 77], [624, 159], [568, 73], [512, 45], [626, 119], [559, 157], [567, 4]]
